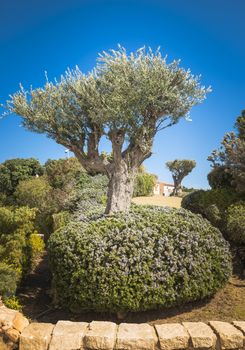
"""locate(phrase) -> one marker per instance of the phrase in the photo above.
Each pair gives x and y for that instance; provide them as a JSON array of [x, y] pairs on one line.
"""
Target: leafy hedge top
[[149, 258]]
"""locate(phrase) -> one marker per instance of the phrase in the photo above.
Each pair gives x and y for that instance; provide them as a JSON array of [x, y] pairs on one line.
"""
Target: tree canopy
[[180, 168], [230, 157], [127, 97], [13, 171]]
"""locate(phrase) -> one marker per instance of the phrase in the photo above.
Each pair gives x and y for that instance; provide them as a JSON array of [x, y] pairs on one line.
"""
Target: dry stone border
[[17, 333]]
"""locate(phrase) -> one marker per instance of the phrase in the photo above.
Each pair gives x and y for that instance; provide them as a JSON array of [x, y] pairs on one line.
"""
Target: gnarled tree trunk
[[120, 190]]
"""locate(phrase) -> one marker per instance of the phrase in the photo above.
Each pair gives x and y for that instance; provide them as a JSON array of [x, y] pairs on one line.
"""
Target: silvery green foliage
[[88, 198], [135, 94], [151, 257]]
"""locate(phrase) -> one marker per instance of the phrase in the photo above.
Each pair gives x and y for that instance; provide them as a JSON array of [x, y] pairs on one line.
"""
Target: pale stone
[[36, 336], [240, 325], [202, 336], [68, 335], [100, 335], [229, 336], [7, 345], [172, 336], [13, 335], [7, 316], [132, 336], [20, 322]]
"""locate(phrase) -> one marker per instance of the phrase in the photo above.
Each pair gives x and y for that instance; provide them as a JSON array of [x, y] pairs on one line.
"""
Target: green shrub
[[60, 172], [235, 223], [149, 258], [36, 246], [13, 303], [144, 184], [192, 201], [219, 177], [16, 228], [211, 204], [88, 197], [8, 280], [13, 171], [61, 219]]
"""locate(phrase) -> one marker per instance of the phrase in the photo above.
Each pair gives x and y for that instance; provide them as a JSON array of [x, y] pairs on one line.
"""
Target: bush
[[89, 197], [8, 280], [13, 303], [192, 201], [61, 219], [37, 193], [219, 177], [60, 172], [36, 246], [16, 229], [235, 223], [144, 184], [211, 204], [149, 258], [13, 171]]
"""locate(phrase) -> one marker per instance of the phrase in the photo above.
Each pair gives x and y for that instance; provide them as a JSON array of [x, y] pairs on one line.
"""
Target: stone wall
[[17, 333]]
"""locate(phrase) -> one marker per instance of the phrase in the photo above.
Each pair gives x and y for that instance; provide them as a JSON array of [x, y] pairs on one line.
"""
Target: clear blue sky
[[207, 35]]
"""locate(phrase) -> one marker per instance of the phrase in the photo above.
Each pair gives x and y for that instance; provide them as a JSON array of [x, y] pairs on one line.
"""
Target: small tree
[[179, 170], [230, 157], [13, 171], [144, 183], [127, 98]]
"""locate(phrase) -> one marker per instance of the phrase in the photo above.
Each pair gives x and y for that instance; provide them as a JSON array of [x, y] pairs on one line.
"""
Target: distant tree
[[60, 172], [13, 171], [230, 157], [33, 193], [37, 193], [180, 168], [126, 98], [144, 183]]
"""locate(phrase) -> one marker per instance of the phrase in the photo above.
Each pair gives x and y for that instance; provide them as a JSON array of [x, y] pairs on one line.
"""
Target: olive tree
[[127, 98], [180, 168]]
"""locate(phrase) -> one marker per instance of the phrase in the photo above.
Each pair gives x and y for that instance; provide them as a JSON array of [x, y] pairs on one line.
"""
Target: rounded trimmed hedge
[[149, 258], [235, 222]]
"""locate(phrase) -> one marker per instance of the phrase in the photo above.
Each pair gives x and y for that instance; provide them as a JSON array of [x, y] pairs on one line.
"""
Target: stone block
[[172, 336], [7, 345], [7, 316], [20, 322], [229, 336], [100, 336], [240, 325], [68, 335], [36, 336], [13, 335], [202, 336], [132, 336]]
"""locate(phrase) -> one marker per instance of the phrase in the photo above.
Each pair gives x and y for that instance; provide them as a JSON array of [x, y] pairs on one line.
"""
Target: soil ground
[[159, 200], [227, 305]]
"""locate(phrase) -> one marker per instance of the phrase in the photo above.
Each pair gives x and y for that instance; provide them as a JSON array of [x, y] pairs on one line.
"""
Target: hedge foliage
[[235, 222], [20, 245], [149, 258], [223, 207]]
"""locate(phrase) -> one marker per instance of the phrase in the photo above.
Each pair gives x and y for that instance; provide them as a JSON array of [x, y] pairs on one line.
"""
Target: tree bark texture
[[120, 189]]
